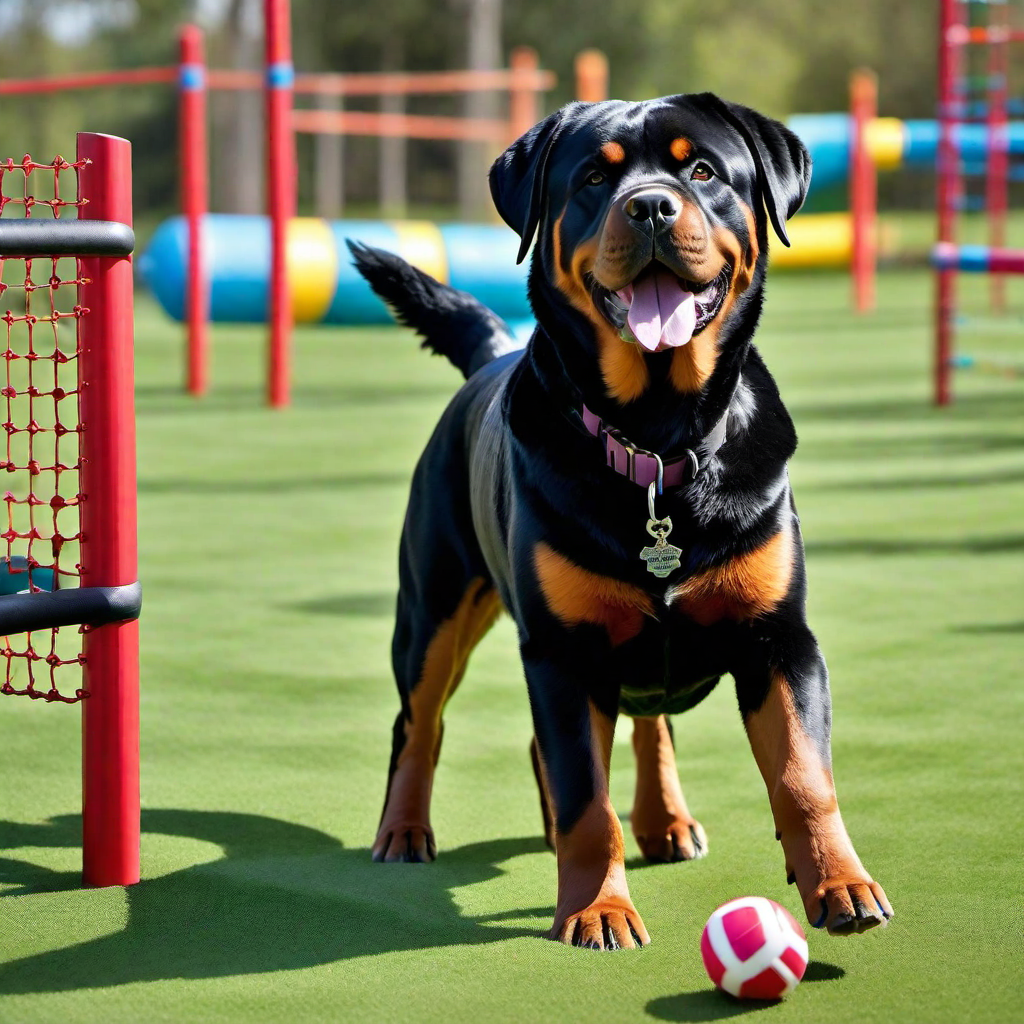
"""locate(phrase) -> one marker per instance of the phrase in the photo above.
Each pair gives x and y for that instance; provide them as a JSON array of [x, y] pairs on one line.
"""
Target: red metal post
[[863, 189], [952, 37], [281, 190], [109, 551], [997, 171], [194, 174]]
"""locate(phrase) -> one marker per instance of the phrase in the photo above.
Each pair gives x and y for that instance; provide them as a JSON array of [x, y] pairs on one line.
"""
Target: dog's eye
[[595, 178], [702, 172]]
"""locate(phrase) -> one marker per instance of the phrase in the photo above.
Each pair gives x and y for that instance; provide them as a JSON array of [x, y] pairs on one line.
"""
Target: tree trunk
[[484, 49]]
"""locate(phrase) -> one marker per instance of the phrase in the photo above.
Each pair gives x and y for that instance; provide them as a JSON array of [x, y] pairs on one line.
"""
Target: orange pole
[[523, 108], [863, 189], [591, 76]]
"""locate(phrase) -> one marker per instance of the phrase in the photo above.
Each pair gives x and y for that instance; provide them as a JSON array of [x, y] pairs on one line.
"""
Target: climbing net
[[39, 460]]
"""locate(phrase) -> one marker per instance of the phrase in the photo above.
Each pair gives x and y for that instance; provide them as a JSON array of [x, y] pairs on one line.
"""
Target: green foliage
[[782, 56]]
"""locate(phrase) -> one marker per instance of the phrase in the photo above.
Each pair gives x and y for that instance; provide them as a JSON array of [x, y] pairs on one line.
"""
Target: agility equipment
[[323, 285], [69, 557], [960, 44], [523, 82], [752, 948]]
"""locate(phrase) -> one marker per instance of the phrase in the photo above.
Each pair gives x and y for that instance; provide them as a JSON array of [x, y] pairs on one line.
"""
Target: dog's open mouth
[[658, 310]]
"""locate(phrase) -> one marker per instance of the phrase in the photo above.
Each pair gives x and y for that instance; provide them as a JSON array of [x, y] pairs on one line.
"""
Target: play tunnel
[[325, 287]]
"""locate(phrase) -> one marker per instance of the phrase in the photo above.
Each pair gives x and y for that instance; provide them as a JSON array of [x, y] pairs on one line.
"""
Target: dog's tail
[[451, 322]]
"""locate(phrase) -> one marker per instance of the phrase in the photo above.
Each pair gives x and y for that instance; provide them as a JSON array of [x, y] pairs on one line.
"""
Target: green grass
[[268, 547]]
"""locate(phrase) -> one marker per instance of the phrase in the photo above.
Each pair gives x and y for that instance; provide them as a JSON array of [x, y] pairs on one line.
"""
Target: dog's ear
[[782, 161], [518, 179]]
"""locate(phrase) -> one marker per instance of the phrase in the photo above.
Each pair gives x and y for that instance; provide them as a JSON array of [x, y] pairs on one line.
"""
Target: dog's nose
[[655, 205]]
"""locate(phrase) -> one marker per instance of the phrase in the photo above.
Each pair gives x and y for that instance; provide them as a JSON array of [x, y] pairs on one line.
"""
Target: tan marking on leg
[[743, 588], [575, 595], [819, 854], [662, 824], [680, 148], [405, 824], [613, 152], [593, 897]]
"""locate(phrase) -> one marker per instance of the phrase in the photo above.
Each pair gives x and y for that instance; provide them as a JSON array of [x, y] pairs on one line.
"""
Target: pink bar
[[406, 126], [110, 733], [1006, 261]]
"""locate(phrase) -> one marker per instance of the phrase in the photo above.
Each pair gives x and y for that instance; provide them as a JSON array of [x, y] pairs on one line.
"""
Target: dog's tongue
[[661, 314]]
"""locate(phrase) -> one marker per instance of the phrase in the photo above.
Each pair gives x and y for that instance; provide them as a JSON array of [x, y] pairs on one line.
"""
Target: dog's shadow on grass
[[283, 897]]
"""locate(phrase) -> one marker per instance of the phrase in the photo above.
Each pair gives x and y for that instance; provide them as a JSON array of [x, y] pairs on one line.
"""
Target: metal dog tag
[[661, 558]]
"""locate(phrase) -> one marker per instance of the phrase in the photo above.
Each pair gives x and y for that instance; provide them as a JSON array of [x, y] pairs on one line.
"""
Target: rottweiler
[[619, 487]]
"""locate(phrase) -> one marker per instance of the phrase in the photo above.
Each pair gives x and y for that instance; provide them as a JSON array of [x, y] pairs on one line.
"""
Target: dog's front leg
[[784, 697], [574, 742]]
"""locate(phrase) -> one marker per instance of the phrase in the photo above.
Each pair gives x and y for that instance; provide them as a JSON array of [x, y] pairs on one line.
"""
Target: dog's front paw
[[680, 839], [609, 923], [846, 906], [404, 843]]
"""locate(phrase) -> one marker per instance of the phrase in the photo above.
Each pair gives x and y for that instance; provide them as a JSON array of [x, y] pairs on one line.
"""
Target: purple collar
[[641, 466]]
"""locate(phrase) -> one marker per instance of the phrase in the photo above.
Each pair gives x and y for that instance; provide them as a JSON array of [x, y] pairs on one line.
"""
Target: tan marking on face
[[743, 588], [814, 839], [622, 366], [680, 148], [575, 595], [613, 152], [693, 364]]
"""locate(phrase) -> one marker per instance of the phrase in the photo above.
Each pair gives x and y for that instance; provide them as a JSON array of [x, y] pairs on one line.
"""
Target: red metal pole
[[110, 733], [281, 191], [863, 189], [952, 36], [997, 118], [194, 162]]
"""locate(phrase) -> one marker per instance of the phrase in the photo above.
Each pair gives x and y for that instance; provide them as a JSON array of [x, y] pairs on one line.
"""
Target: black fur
[[510, 469], [452, 323]]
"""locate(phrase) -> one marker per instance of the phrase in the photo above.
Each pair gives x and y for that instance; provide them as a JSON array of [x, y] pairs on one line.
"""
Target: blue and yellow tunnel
[[325, 287]]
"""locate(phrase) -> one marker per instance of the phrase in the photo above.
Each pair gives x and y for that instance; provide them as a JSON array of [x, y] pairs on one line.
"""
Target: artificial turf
[[268, 550]]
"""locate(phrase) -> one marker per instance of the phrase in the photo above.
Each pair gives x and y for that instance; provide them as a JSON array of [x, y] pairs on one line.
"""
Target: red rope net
[[39, 454]]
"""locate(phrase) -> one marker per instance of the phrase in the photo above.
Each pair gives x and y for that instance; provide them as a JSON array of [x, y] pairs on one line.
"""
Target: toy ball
[[753, 949]]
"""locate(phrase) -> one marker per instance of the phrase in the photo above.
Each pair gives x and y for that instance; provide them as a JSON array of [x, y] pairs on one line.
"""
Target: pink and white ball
[[753, 949]]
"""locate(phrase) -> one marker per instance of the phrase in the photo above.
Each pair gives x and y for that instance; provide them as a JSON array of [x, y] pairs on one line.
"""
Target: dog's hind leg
[[430, 653], [546, 814], [662, 824]]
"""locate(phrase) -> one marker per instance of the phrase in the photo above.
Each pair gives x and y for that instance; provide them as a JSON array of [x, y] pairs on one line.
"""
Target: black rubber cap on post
[[42, 238]]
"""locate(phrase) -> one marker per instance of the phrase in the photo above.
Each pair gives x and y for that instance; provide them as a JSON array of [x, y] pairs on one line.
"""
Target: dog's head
[[651, 223]]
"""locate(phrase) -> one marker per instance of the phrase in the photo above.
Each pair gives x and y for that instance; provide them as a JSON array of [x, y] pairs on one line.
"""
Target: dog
[[619, 486]]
